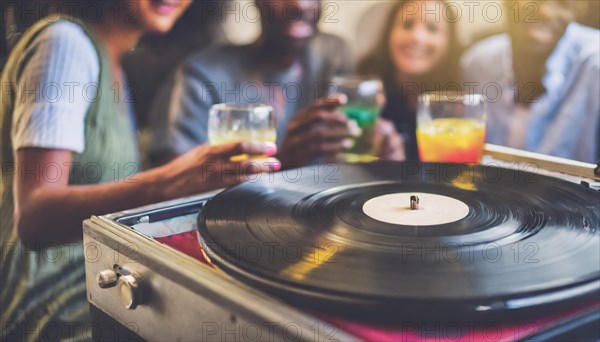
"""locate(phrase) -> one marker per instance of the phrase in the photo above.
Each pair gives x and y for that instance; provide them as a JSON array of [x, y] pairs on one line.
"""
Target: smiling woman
[[88, 140], [156, 16], [418, 52], [160, 15]]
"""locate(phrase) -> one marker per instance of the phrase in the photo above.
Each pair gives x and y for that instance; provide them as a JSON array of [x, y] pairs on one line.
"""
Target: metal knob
[[107, 278], [132, 291]]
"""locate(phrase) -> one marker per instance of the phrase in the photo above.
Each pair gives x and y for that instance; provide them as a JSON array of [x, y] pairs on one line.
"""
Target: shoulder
[[327, 40], [215, 59], [475, 62], [328, 46], [331, 52], [59, 53], [203, 73], [586, 45], [64, 28], [486, 49], [66, 34], [584, 35], [61, 44]]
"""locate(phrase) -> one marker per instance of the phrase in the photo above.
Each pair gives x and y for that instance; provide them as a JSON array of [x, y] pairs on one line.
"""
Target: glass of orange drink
[[451, 127]]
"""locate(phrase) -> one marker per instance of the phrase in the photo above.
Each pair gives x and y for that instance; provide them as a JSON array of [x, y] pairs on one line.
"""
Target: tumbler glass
[[365, 96], [451, 127], [232, 122]]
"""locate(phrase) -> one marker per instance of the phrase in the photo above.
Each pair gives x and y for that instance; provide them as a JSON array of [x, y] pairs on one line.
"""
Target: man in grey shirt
[[289, 66]]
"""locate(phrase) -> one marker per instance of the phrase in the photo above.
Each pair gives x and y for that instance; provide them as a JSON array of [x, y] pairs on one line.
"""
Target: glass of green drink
[[365, 95]]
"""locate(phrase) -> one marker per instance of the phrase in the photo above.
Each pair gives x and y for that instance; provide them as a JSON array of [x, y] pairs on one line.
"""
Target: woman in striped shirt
[[69, 151]]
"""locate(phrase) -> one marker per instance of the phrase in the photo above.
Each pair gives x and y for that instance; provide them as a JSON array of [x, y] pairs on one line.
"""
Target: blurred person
[[418, 52], [4, 39], [289, 66], [543, 82], [590, 13], [198, 28], [69, 154]]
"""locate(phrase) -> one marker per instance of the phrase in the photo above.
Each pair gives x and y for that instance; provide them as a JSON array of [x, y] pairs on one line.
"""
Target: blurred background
[[359, 22], [210, 22]]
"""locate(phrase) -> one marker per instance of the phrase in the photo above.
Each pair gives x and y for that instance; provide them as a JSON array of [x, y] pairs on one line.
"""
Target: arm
[[52, 211], [47, 208], [48, 211]]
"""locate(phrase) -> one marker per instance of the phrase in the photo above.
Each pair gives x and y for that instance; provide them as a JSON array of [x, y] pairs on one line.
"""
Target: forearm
[[54, 214]]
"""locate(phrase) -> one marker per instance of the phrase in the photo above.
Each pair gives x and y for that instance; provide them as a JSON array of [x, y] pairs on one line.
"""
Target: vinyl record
[[483, 241]]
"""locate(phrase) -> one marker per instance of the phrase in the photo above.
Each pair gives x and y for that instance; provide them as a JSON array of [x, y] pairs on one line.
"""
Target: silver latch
[[107, 278], [130, 287]]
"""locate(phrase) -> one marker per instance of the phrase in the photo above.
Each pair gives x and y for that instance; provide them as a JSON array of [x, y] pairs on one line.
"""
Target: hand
[[208, 168], [388, 144], [319, 131]]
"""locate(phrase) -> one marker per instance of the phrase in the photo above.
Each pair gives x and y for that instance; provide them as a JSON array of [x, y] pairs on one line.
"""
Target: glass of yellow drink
[[364, 101], [451, 127], [232, 122]]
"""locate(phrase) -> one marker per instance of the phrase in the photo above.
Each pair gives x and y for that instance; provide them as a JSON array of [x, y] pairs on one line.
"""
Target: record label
[[433, 209]]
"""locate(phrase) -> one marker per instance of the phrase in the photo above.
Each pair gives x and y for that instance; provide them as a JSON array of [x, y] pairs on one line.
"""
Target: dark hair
[[90, 10], [198, 28], [379, 61]]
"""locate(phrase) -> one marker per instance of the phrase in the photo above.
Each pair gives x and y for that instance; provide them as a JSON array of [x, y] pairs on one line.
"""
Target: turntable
[[506, 250]]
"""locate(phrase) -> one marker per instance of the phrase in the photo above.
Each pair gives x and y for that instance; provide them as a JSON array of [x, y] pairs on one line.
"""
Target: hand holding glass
[[230, 122], [364, 99]]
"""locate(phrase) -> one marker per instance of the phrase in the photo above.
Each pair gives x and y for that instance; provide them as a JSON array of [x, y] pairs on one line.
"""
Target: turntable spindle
[[414, 202]]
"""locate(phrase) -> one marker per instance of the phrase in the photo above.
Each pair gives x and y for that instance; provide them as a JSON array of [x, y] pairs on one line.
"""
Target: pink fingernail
[[347, 143], [270, 149], [276, 166]]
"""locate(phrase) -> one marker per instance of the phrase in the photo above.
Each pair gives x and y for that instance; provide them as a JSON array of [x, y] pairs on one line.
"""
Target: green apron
[[43, 293]]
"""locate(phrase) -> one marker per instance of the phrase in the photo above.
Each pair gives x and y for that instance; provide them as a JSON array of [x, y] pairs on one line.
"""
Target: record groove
[[310, 242]]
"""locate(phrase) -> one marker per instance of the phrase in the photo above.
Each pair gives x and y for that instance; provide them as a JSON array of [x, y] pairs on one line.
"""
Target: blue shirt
[[565, 120]]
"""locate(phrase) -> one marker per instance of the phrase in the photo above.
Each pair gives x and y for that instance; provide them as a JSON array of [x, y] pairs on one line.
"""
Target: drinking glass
[[365, 96], [451, 127], [232, 122]]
